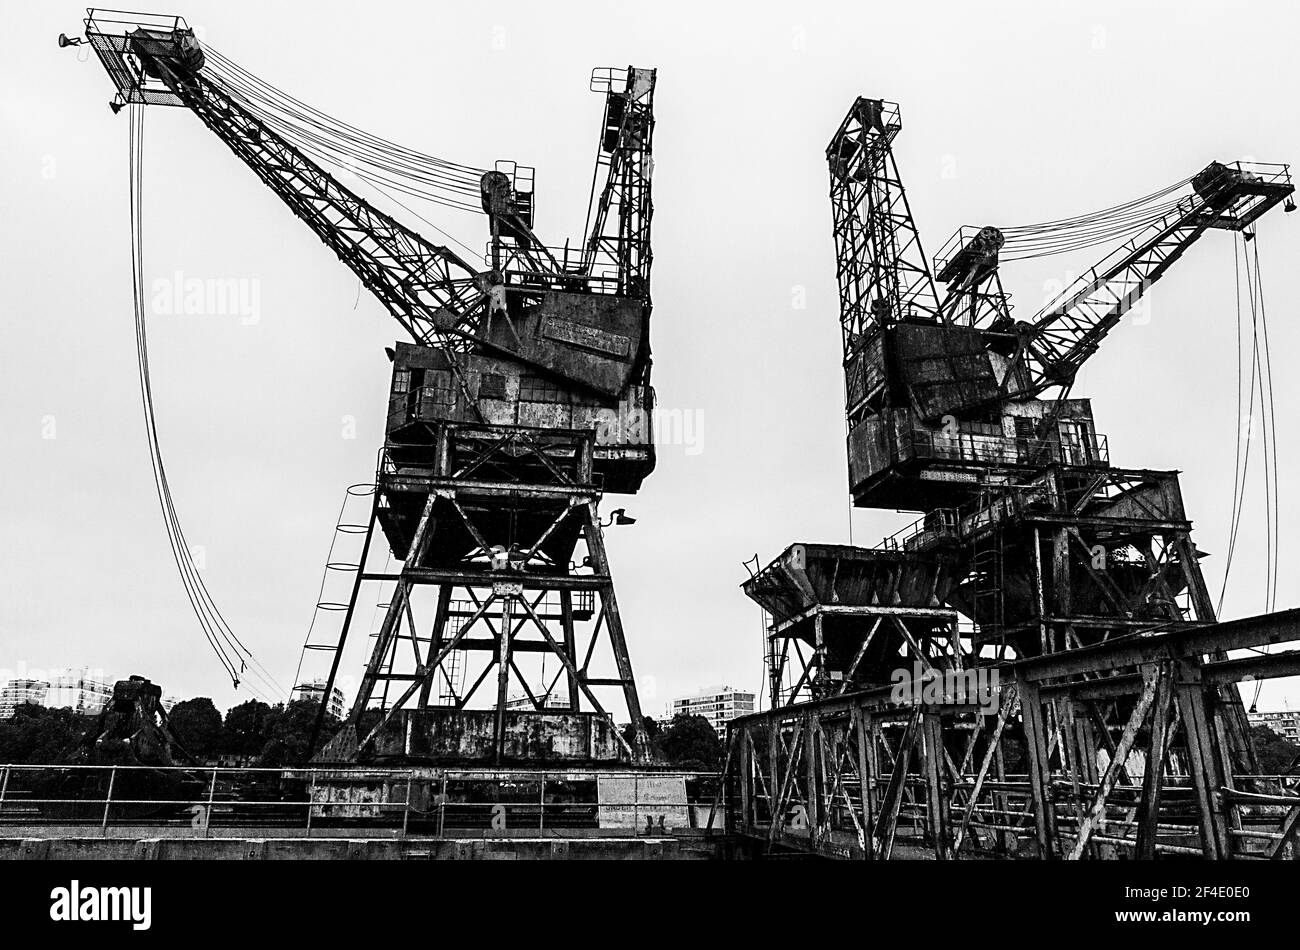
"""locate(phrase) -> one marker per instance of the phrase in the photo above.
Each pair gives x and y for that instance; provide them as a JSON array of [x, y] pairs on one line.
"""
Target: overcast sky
[[1013, 113]]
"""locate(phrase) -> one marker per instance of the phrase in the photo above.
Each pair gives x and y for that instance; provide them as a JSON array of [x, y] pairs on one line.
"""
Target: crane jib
[[528, 306]]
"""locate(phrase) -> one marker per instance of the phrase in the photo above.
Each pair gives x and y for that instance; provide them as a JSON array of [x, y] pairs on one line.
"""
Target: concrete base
[[357, 849]]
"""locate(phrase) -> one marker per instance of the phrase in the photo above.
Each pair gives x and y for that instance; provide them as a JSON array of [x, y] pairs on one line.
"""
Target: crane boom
[[1069, 330], [435, 295], [962, 353], [584, 320]]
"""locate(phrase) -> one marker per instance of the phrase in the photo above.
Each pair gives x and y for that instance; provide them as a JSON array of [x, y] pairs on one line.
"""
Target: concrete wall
[[352, 849]]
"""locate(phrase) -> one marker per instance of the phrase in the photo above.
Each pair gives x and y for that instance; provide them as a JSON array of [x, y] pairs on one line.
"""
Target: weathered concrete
[[358, 849]]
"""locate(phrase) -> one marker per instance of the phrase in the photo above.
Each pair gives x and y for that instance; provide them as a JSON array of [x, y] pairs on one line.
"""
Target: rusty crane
[[1038, 566], [523, 394]]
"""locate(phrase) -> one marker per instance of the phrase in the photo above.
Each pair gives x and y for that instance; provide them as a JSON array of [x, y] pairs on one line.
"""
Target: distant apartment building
[[1285, 724], [315, 690], [718, 704], [81, 691], [19, 692], [521, 703]]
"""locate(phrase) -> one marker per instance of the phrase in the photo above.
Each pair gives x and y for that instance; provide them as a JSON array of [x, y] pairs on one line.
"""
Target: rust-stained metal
[[867, 774], [504, 550], [525, 396], [1066, 589], [471, 736], [132, 728]]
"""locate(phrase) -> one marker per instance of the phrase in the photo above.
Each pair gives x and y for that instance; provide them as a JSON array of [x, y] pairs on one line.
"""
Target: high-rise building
[[19, 692], [314, 690], [718, 704], [82, 691], [1285, 724]]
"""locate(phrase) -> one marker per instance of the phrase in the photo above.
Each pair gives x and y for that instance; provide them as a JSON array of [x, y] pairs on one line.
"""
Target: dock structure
[[1020, 759], [1035, 666]]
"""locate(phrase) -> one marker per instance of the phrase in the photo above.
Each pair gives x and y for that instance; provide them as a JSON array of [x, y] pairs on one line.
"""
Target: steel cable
[[233, 655]]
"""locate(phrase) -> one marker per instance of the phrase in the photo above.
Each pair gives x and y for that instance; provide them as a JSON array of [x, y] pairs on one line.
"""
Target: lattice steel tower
[[1029, 532], [524, 396]]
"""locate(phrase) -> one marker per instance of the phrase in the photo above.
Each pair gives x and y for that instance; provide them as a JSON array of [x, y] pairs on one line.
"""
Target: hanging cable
[[1237, 455], [1266, 383], [234, 656], [1259, 377], [1269, 440]]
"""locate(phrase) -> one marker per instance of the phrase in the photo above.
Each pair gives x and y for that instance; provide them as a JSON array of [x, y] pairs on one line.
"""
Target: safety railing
[[960, 238], [446, 403], [1005, 450], [100, 20], [605, 78], [223, 801], [935, 525], [519, 448], [953, 524], [576, 272], [1269, 173]]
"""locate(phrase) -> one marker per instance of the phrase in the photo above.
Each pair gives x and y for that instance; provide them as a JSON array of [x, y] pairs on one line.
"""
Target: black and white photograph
[[743, 443]]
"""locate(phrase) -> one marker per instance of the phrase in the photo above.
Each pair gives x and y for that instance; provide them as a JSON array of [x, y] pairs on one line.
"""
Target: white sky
[[1013, 113]]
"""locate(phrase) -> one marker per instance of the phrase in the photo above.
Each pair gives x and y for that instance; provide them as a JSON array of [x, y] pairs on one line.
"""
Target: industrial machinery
[[523, 395], [132, 728], [957, 410], [1032, 545]]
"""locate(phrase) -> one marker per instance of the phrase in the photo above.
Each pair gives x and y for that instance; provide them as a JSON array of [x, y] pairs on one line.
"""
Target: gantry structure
[[522, 396], [905, 670]]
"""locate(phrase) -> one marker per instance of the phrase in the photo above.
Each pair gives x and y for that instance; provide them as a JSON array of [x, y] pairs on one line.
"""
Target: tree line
[[255, 733]]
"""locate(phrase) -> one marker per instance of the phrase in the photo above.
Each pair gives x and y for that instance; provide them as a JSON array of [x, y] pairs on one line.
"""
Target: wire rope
[[234, 656]]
